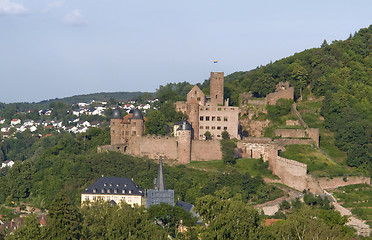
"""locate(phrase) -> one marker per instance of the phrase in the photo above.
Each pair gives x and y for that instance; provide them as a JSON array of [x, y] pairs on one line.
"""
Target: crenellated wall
[[312, 133]]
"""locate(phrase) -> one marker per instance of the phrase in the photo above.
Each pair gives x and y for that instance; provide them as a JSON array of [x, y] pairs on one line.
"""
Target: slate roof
[[114, 186]]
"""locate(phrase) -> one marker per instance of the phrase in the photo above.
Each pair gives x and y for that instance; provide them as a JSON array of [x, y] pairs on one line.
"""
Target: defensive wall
[[288, 141], [312, 133], [327, 183], [282, 92], [292, 173], [153, 147], [205, 150]]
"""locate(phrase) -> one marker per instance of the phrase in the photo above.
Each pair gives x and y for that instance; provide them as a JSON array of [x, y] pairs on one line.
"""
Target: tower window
[[213, 118], [201, 118], [218, 127], [225, 119], [216, 96], [207, 118]]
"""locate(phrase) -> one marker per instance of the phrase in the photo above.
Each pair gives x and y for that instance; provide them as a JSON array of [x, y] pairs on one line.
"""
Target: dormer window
[[109, 190], [105, 184], [102, 190], [123, 191], [130, 191], [117, 185], [94, 190], [115, 190], [110, 184]]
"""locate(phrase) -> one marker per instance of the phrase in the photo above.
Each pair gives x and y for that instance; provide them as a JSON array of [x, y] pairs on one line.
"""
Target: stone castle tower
[[116, 127], [184, 142], [137, 123], [216, 88]]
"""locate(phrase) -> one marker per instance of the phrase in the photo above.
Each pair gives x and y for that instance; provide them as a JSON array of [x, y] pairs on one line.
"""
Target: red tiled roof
[[269, 222]]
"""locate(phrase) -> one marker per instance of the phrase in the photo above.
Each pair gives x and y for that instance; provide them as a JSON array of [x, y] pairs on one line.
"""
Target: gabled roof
[[114, 186]]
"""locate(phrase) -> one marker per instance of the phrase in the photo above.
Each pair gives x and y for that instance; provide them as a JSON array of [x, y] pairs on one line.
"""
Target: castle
[[212, 114]]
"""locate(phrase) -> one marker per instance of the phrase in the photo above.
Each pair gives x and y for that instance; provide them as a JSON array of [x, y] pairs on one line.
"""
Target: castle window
[[218, 118], [206, 109], [219, 109], [225, 119], [94, 198], [198, 98], [195, 92], [218, 135], [201, 118], [224, 128], [213, 127], [134, 132], [213, 118], [216, 96], [207, 127], [218, 127], [207, 118], [201, 127]]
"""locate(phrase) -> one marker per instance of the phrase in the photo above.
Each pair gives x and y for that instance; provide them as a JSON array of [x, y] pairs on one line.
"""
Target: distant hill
[[103, 96]]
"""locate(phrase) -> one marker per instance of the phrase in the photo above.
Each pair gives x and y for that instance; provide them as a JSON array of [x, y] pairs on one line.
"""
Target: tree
[[63, 219], [171, 218], [155, 123], [208, 135], [228, 151], [19, 178], [30, 229], [225, 135], [227, 218]]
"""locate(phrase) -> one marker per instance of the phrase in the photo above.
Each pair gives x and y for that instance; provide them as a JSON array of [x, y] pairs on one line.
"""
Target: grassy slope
[[357, 197], [254, 167]]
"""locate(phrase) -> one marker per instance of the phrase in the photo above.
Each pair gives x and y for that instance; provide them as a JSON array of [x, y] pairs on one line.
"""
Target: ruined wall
[[336, 182], [181, 106], [217, 119], [152, 146], [314, 135], [289, 141], [275, 96], [205, 150], [292, 123], [294, 133], [254, 128], [268, 151], [292, 173]]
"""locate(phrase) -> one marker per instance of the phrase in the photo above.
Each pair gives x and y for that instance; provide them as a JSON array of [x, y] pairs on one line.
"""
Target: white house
[[8, 163], [2, 120], [15, 122]]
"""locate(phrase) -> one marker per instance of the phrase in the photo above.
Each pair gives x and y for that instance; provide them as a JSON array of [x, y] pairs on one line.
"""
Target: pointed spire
[[160, 181]]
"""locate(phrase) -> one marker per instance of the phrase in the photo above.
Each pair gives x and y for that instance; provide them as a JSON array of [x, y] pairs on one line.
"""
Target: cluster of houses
[[75, 125]]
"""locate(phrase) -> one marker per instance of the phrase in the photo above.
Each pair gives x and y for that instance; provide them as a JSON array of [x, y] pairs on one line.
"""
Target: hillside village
[[75, 124]]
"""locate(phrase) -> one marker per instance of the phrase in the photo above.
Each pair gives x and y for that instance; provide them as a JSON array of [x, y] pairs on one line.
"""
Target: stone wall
[[336, 182], [312, 133], [290, 133], [268, 151], [289, 141], [205, 150], [292, 173], [275, 96], [254, 128], [292, 123], [152, 146]]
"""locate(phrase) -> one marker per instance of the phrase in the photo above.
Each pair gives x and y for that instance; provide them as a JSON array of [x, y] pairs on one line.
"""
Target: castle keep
[[210, 114]]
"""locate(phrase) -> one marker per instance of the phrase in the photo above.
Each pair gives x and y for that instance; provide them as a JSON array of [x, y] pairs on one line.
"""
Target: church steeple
[[160, 181]]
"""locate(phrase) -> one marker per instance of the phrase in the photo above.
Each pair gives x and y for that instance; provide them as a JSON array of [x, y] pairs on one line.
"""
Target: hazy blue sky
[[62, 48]]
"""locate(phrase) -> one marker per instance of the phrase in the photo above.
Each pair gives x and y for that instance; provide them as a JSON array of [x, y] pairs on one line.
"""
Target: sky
[[53, 49]]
